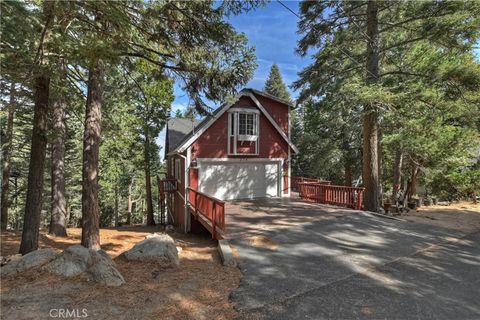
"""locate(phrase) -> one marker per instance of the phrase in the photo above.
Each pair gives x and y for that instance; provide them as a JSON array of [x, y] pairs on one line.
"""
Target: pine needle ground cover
[[463, 216], [197, 289]]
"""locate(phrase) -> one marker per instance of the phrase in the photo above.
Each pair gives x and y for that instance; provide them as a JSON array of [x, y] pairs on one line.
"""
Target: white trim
[[195, 136], [187, 184], [280, 171], [235, 130], [244, 110], [289, 123], [289, 175], [279, 161], [259, 105], [229, 134], [247, 137], [257, 145], [237, 137]]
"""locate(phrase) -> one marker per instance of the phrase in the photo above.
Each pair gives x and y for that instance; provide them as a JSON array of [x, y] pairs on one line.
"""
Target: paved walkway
[[332, 263]]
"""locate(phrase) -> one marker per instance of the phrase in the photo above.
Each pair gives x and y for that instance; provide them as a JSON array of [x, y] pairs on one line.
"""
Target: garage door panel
[[229, 181]]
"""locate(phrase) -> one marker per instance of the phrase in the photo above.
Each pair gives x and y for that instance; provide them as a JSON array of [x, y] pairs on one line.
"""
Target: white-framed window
[[243, 126], [178, 171], [247, 124]]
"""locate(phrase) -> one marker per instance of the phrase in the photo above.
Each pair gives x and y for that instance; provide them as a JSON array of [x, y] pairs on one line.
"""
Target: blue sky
[[272, 31]]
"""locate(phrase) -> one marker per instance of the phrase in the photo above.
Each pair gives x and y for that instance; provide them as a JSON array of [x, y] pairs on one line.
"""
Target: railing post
[[214, 217], [196, 205], [360, 199]]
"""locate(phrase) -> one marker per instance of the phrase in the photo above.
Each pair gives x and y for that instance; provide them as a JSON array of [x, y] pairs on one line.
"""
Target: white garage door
[[228, 181]]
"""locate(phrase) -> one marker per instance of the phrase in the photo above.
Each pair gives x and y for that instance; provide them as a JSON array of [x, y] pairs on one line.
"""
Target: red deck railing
[[209, 208], [349, 197], [296, 180]]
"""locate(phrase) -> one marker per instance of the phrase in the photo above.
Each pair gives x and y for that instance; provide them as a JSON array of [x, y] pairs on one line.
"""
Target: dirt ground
[[198, 289], [462, 216]]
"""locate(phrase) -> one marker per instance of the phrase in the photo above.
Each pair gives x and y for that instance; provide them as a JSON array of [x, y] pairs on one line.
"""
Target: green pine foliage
[[146, 47], [275, 85], [426, 95]]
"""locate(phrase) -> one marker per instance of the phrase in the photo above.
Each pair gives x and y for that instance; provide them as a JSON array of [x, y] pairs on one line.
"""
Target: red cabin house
[[241, 151]]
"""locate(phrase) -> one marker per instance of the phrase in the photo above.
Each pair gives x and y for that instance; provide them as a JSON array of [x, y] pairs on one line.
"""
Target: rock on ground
[[103, 270], [30, 260], [96, 266], [7, 259], [155, 247], [72, 262]]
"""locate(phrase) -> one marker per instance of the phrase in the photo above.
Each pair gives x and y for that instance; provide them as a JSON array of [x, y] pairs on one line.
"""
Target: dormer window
[[243, 124], [247, 125]]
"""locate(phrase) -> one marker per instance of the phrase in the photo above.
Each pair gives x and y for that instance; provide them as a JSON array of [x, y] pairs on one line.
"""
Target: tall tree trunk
[[397, 173], [129, 204], [412, 187], [34, 201], [7, 154], [148, 184], [69, 210], [370, 115], [91, 145], [379, 164], [59, 203], [116, 205]]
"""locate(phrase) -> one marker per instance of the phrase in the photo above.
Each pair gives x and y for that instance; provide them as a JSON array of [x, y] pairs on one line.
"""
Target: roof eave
[[269, 96]]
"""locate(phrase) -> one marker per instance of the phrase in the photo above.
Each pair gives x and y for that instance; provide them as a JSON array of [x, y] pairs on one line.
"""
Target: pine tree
[[275, 85], [362, 46], [34, 200]]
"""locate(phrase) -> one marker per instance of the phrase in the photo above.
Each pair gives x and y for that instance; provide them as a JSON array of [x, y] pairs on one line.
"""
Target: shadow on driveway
[[337, 263]]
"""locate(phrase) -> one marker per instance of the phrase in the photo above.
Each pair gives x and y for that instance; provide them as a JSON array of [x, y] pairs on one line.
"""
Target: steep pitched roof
[[269, 96], [209, 120], [177, 130]]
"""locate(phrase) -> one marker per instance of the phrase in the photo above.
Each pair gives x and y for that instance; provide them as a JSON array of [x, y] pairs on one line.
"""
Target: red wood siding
[[278, 111], [213, 142], [194, 178]]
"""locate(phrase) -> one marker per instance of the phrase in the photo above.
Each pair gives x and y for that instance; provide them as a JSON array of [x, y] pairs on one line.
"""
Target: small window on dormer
[[243, 132], [232, 124], [247, 124]]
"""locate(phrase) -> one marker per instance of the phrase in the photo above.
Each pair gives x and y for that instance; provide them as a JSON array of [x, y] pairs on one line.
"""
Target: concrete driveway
[[332, 263]]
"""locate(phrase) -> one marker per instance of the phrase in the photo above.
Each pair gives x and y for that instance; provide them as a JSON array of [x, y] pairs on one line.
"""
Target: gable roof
[[271, 97], [177, 130], [209, 120]]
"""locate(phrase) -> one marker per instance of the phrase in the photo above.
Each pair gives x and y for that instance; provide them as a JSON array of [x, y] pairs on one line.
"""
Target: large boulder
[[155, 247], [94, 265], [31, 260], [103, 270], [72, 262]]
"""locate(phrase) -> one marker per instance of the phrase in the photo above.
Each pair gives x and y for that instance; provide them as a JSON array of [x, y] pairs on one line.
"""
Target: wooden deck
[[209, 211]]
